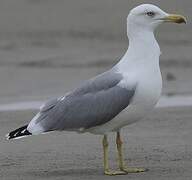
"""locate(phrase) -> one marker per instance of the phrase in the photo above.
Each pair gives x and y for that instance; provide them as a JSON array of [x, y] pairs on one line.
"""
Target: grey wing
[[96, 102]]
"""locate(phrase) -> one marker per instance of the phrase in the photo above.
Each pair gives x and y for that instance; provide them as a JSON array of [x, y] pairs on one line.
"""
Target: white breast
[[149, 87]]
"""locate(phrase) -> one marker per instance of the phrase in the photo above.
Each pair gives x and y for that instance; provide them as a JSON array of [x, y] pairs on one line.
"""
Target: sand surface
[[161, 143]]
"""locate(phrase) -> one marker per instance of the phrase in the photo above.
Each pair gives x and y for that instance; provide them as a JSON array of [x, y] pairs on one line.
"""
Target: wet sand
[[48, 48]]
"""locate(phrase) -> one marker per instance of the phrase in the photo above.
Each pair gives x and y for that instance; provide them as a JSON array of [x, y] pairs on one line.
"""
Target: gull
[[133, 86]]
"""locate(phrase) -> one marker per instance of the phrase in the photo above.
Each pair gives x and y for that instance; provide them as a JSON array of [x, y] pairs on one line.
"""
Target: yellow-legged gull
[[132, 86]]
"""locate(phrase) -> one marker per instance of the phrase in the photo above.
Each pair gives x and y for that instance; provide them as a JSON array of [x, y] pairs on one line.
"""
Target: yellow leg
[[107, 171], [120, 158]]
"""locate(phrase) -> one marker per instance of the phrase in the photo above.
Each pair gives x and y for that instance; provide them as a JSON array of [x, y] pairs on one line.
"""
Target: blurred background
[[49, 47]]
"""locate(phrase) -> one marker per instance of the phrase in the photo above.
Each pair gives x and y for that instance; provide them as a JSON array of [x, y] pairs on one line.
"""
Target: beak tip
[[185, 21], [182, 20]]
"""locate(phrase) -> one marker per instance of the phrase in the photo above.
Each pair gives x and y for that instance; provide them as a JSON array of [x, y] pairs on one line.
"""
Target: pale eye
[[150, 13]]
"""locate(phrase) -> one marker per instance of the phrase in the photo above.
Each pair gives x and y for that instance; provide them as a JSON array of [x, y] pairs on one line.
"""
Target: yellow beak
[[174, 18]]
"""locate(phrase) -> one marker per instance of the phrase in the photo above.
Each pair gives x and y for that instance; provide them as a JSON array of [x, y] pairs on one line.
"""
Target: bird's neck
[[143, 50]]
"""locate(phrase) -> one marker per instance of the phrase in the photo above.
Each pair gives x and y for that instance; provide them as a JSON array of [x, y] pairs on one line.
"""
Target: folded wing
[[96, 102]]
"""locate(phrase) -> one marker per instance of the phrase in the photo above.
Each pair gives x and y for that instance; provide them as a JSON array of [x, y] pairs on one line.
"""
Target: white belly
[[146, 96]]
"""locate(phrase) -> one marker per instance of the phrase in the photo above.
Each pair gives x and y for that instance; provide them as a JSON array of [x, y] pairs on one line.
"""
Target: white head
[[148, 17]]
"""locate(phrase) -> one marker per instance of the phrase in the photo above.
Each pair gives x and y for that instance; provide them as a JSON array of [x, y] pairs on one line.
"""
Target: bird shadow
[[65, 172]]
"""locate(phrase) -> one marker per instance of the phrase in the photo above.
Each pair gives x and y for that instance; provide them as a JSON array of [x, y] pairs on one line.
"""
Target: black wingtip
[[18, 133]]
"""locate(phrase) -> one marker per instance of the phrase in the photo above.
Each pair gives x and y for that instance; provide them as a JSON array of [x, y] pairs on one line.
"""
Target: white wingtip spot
[[7, 136], [23, 131]]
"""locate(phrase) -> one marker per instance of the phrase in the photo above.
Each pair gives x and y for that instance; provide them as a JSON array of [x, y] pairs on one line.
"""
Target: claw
[[134, 170], [114, 173]]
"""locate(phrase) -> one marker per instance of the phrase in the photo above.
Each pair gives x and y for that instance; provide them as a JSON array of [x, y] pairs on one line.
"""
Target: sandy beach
[[161, 143]]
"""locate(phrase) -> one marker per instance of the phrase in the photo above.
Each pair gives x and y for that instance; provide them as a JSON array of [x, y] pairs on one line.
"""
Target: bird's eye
[[150, 13]]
